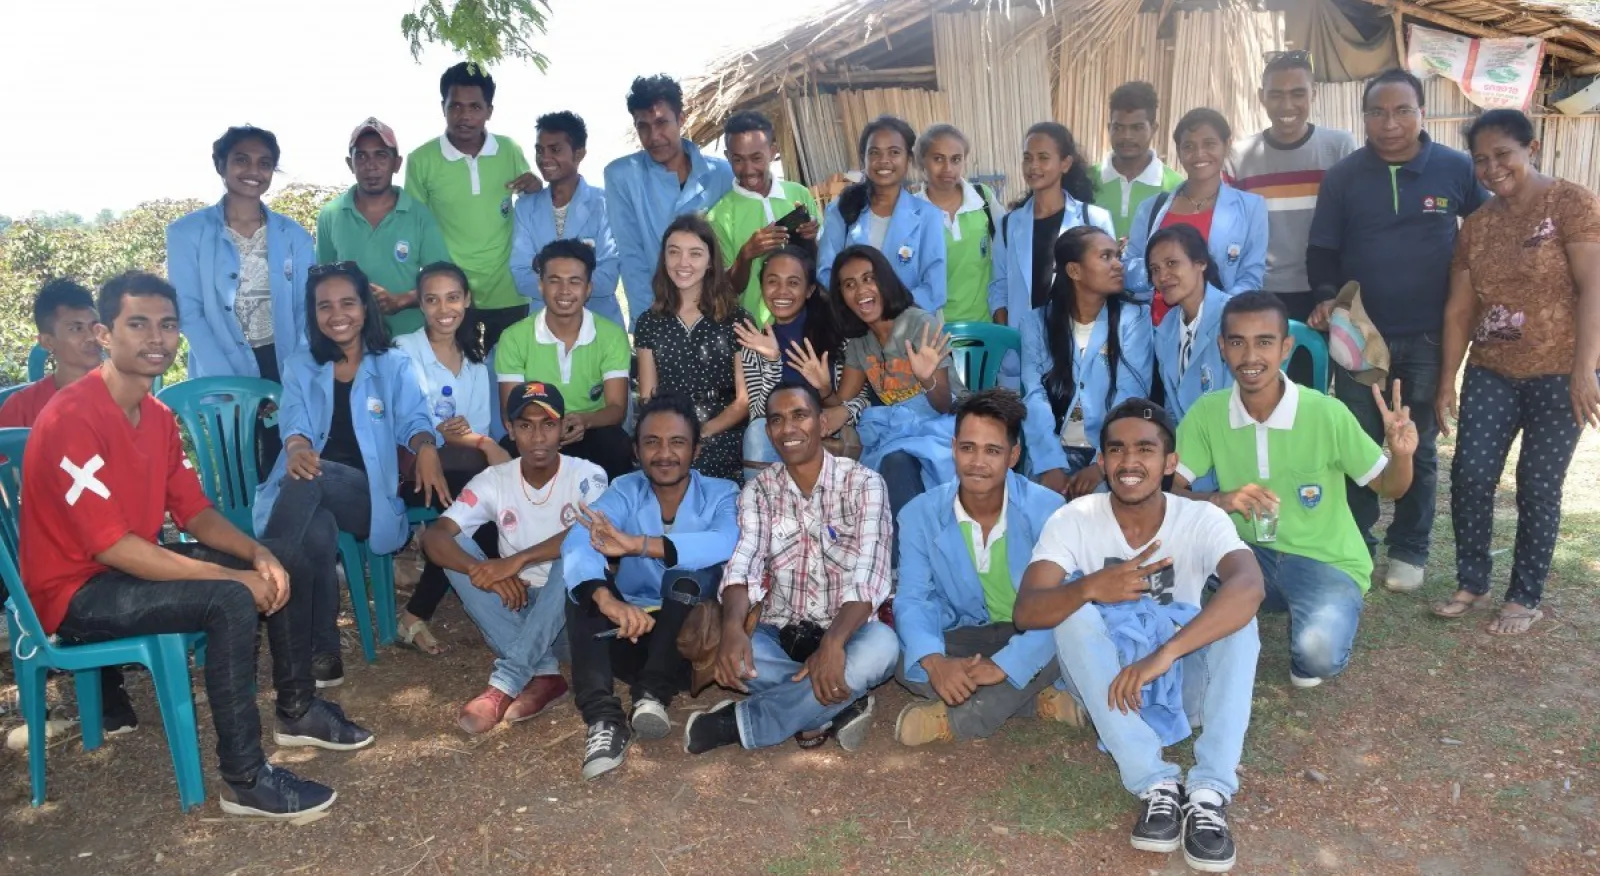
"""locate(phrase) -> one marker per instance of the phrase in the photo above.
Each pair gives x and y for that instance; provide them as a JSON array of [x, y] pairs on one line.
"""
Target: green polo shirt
[[390, 254], [469, 198], [741, 213], [1302, 453], [969, 255], [1121, 197], [528, 351]]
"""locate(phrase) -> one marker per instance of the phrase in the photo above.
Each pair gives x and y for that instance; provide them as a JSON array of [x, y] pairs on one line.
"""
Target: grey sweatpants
[[990, 705]]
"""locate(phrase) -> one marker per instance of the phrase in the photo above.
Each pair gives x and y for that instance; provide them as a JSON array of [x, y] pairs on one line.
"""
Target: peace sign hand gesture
[[926, 357], [763, 342], [1398, 429], [812, 367]]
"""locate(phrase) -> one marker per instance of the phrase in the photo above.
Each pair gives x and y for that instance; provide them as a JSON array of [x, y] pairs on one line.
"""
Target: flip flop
[[1456, 607], [1531, 615], [417, 635], [818, 740]]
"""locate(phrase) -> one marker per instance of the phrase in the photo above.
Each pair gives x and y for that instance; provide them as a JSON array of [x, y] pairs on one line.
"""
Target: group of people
[[1088, 541]]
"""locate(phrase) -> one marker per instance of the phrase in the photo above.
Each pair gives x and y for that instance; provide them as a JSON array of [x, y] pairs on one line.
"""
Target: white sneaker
[[650, 719], [1303, 682], [1403, 577]]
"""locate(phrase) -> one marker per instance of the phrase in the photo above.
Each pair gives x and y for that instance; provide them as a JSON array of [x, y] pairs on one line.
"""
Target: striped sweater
[[1289, 177]]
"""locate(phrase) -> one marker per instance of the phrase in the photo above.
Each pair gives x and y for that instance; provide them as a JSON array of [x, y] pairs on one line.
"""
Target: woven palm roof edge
[[1571, 31]]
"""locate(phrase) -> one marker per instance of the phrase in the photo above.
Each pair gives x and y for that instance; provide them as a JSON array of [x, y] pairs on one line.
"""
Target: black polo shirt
[[1394, 228]]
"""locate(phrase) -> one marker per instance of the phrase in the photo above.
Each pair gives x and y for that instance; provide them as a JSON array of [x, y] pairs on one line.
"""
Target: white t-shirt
[[1084, 537], [526, 516]]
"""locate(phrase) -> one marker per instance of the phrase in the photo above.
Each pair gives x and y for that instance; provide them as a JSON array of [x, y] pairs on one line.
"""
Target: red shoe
[[484, 712], [540, 693]]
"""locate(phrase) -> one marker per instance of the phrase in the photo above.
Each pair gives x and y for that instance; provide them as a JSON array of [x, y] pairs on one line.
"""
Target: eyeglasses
[[1399, 114]]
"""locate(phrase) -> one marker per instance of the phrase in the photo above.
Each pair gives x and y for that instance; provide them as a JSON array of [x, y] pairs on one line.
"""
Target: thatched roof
[[847, 43]]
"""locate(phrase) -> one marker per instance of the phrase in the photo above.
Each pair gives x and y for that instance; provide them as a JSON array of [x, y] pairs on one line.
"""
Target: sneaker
[[116, 712], [1160, 825], [276, 793], [606, 748], [650, 719], [711, 728], [850, 726], [1053, 704], [1303, 681], [924, 722], [536, 697], [1403, 577], [1207, 843], [484, 712], [322, 726], [327, 669]]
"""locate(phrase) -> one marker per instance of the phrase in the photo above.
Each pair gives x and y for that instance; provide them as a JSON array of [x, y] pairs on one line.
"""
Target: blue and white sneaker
[[322, 726], [276, 793]]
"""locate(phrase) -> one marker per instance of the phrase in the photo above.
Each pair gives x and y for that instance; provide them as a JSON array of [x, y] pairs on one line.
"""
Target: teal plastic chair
[[34, 655], [978, 348], [12, 390], [220, 414], [38, 357], [1309, 339]]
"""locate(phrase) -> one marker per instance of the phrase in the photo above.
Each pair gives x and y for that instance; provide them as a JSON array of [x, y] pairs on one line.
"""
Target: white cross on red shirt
[[83, 478]]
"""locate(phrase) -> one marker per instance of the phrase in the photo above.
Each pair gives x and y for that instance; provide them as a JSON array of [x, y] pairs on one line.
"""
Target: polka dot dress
[[699, 362]]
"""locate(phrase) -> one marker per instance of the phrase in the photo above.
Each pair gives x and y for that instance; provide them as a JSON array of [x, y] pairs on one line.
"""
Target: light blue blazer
[[388, 409], [705, 532], [642, 199], [203, 265], [535, 220], [1011, 284], [1207, 369], [1237, 243], [1041, 434], [914, 247], [939, 586]]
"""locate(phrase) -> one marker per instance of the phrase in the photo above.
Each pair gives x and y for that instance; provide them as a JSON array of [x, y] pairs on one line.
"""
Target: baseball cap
[[536, 393], [384, 132], [1140, 409], [1353, 341]]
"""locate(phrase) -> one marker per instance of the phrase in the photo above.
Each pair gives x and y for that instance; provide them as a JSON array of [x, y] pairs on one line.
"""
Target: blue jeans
[[525, 643], [1415, 362], [1324, 606], [780, 707], [1217, 684], [758, 448]]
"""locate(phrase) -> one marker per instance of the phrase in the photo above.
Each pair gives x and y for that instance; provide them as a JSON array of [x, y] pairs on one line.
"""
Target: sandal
[[809, 739], [1514, 620], [418, 636], [1462, 602]]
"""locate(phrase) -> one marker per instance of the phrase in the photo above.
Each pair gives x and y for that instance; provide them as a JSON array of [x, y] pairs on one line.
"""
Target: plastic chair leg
[[30, 696], [354, 554], [383, 597], [91, 707], [169, 669]]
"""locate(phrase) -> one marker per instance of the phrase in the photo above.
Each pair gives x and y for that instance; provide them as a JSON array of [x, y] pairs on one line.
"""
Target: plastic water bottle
[[445, 407]]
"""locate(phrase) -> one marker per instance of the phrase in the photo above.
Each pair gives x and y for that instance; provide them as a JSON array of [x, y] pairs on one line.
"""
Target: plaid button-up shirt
[[814, 553]]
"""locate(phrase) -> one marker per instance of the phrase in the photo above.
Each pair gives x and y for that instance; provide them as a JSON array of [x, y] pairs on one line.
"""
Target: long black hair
[[1059, 382], [469, 334], [854, 199], [374, 337], [1075, 182], [893, 293], [1194, 246], [822, 328]]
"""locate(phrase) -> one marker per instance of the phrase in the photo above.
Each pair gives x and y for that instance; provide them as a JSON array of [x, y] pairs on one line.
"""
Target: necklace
[[549, 488], [1200, 205]]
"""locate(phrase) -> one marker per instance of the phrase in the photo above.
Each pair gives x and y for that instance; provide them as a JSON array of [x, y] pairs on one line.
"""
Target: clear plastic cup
[[1266, 525]]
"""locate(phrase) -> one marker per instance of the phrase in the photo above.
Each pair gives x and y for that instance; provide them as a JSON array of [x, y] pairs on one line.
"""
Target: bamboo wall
[[993, 110]]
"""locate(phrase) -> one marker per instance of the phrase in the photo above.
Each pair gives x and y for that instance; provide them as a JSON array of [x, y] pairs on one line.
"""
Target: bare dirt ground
[[1442, 750]]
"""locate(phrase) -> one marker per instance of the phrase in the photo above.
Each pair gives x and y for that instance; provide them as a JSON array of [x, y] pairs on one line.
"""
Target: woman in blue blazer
[[1188, 357], [1083, 353], [350, 401], [1058, 185], [239, 268], [882, 214], [1233, 223]]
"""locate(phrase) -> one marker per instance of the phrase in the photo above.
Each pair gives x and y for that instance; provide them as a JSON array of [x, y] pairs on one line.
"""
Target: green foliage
[[39, 248], [485, 31]]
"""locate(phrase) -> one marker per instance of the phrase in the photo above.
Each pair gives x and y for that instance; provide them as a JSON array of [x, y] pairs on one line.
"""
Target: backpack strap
[[1155, 210]]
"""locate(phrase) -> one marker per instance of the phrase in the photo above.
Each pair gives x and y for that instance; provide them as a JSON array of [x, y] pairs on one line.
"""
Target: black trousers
[[652, 666], [496, 321]]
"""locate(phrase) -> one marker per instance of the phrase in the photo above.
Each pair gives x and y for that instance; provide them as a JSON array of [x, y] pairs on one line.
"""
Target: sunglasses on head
[[332, 268], [1290, 55]]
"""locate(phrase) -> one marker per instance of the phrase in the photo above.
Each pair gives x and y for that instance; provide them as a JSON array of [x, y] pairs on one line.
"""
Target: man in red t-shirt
[[102, 469], [64, 314]]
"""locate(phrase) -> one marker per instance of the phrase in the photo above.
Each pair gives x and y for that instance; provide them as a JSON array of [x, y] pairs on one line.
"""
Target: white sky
[[116, 102]]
